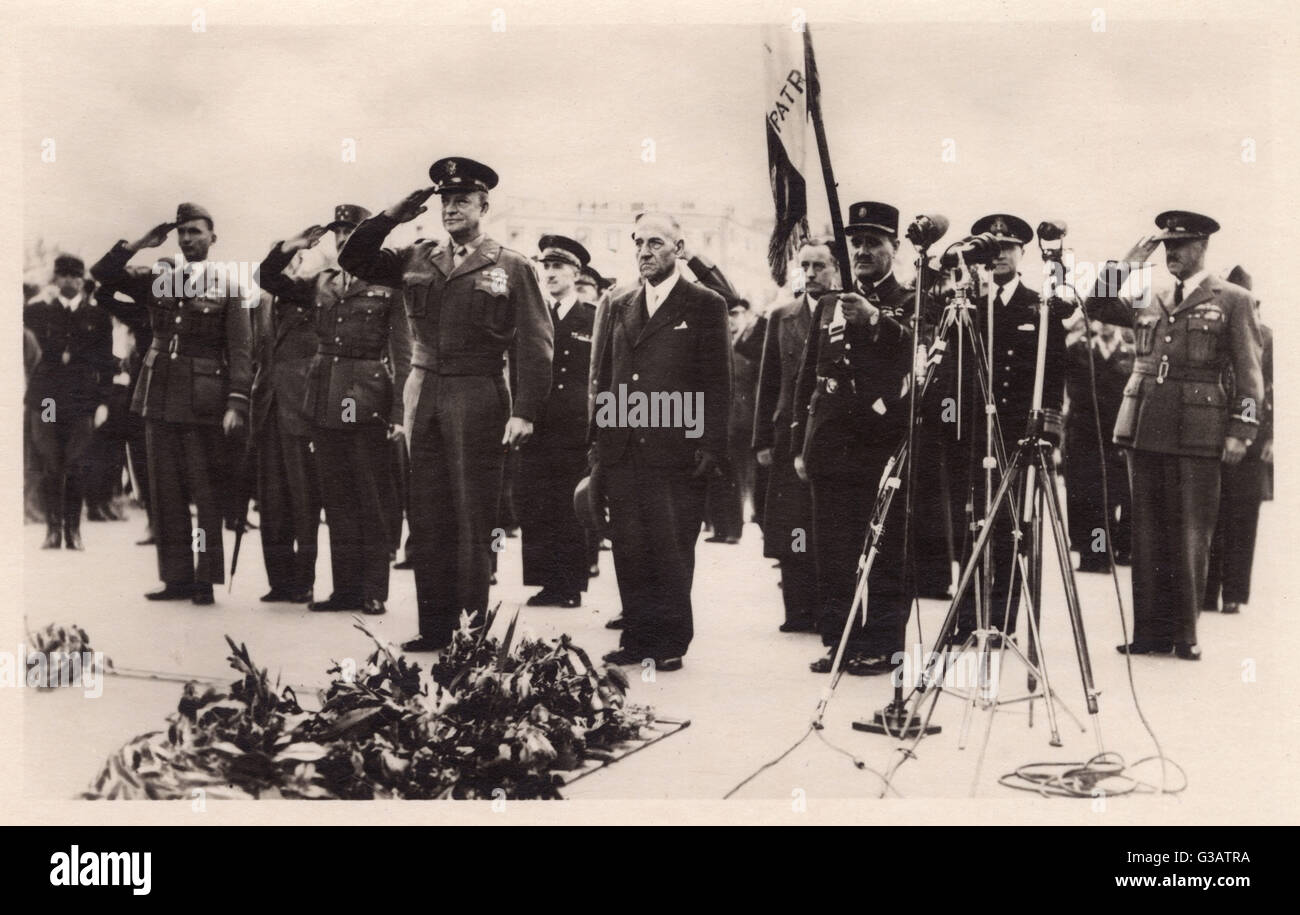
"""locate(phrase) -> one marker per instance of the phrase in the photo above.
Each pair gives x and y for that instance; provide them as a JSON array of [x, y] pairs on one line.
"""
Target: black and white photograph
[[854, 413]]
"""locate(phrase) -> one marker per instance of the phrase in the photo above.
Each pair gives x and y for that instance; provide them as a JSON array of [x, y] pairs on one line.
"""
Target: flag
[[786, 90]]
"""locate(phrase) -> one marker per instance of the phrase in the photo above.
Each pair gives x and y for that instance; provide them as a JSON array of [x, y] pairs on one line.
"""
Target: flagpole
[[840, 245]]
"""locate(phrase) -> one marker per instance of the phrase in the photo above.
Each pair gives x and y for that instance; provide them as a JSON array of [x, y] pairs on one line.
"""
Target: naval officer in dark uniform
[[469, 305], [1013, 338], [353, 399], [193, 387], [850, 413], [67, 394], [1177, 421], [555, 458]]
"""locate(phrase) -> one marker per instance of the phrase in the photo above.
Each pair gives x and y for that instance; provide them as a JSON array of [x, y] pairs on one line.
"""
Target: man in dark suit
[[1013, 337], [67, 394], [1177, 420], [662, 396], [468, 304], [1242, 489], [193, 388], [555, 458], [787, 515], [850, 413], [728, 492], [353, 398]]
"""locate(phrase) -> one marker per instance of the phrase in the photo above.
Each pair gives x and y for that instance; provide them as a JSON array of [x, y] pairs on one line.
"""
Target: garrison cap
[[1184, 224], [1238, 276], [348, 214], [456, 174], [1004, 227], [563, 249], [69, 265], [869, 216], [188, 211]]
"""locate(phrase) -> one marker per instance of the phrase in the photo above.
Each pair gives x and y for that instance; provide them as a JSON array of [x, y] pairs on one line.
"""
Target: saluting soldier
[[193, 387], [787, 516], [353, 398], [850, 412], [468, 304], [1242, 489], [555, 458], [67, 394], [1178, 422], [1013, 338]]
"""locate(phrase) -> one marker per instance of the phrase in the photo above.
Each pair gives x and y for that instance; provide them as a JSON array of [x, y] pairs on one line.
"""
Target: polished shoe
[[719, 538], [823, 665], [72, 539], [1187, 651], [149, 540], [334, 603], [300, 597], [95, 513], [1231, 607], [425, 643], [173, 591], [622, 657], [1146, 646], [373, 607], [615, 623], [797, 626], [404, 564], [544, 598], [202, 595], [862, 665], [276, 595], [53, 538]]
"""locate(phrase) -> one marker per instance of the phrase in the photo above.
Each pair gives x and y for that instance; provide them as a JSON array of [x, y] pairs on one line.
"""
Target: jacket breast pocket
[[208, 380], [490, 307], [372, 390], [1204, 419], [417, 290], [1144, 334], [1203, 340], [1126, 421]]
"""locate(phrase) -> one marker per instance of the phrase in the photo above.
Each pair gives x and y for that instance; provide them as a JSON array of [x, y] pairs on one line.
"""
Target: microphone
[[925, 230]]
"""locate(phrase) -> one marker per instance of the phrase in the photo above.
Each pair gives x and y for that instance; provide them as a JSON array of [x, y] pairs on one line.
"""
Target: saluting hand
[[412, 205], [1142, 249], [154, 237], [307, 238]]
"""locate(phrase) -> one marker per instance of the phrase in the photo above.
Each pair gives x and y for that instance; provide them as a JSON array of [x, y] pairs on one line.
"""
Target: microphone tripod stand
[[1032, 461]]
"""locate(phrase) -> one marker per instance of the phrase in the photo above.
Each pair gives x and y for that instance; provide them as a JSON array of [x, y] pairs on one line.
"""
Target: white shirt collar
[[1196, 279], [1008, 290], [655, 295], [566, 302], [72, 304]]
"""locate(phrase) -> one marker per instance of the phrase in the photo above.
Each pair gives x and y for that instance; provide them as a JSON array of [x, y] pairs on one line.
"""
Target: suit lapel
[[667, 312], [483, 255], [629, 317]]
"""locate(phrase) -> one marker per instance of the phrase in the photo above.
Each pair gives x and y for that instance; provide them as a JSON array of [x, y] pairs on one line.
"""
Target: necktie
[[555, 311], [458, 256], [1178, 293], [998, 300]]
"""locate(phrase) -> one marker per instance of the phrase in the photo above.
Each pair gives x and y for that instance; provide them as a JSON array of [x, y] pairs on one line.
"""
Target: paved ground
[[1229, 721]]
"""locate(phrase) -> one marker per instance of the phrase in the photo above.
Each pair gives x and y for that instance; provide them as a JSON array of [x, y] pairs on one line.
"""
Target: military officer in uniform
[[555, 458], [787, 516], [194, 387], [1242, 489], [353, 399], [67, 394], [1177, 422], [1013, 339], [665, 335], [469, 304], [850, 412]]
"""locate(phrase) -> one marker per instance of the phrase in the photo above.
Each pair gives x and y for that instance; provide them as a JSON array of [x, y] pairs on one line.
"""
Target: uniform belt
[[1163, 372], [351, 351], [183, 346], [424, 356]]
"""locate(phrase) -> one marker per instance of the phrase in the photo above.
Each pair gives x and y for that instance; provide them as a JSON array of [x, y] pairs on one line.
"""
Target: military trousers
[[288, 507], [1232, 550], [554, 541], [353, 466], [1175, 506], [184, 459], [455, 424], [60, 448]]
